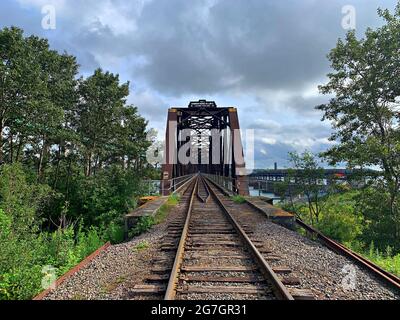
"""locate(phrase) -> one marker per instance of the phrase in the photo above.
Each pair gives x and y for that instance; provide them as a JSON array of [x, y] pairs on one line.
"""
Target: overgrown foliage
[[365, 115], [72, 156], [341, 220], [238, 199], [24, 251]]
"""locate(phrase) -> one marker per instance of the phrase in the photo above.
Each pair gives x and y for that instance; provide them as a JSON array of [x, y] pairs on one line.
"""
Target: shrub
[[106, 196], [143, 225], [23, 256], [114, 232], [238, 199]]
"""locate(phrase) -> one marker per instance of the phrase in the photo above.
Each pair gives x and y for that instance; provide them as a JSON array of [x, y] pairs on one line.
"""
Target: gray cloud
[[273, 142], [268, 54]]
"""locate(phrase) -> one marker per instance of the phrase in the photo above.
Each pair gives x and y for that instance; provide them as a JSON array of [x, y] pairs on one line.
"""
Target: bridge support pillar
[[242, 185], [170, 153], [239, 166]]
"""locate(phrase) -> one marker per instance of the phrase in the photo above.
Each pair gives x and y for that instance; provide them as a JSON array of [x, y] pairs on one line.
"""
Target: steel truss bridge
[[204, 138]]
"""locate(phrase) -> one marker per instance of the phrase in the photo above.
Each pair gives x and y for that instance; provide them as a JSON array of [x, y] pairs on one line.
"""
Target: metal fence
[[158, 187], [225, 182]]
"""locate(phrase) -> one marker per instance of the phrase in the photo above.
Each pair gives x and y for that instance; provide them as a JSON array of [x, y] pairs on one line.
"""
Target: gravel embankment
[[113, 272]]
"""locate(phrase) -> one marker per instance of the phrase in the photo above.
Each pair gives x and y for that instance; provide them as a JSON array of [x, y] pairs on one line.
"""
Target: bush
[[238, 199], [23, 280], [339, 218], [105, 197], [22, 201], [23, 256], [143, 225], [114, 232]]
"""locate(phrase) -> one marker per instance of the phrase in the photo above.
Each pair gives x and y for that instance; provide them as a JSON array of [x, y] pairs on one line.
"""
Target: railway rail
[[215, 257]]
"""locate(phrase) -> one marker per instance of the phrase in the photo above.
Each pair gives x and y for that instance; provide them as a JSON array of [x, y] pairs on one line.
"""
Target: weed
[[238, 199]]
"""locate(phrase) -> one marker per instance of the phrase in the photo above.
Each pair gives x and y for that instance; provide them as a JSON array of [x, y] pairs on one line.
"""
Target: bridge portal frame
[[225, 158]]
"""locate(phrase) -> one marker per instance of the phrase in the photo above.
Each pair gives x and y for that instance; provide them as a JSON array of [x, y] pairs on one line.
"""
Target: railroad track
[[211, 256]]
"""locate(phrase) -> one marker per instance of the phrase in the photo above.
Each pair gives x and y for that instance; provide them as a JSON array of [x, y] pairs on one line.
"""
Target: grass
[[165, 209], [238, 199], [386, 260], [143, 245], [108, 288]]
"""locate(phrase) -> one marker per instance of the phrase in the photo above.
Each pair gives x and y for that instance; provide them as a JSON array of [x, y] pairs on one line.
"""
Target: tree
[[365, 110], [37, 88], [15, 79], [307, 177], [100, 109]]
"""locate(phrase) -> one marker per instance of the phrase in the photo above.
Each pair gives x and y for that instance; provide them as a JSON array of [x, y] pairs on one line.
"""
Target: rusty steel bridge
[[204, 138]]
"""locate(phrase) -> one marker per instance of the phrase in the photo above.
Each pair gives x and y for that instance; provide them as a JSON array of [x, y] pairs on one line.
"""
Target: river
[[255, 193]]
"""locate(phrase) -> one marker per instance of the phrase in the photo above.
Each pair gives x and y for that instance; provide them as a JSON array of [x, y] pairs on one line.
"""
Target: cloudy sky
[[265, 57]]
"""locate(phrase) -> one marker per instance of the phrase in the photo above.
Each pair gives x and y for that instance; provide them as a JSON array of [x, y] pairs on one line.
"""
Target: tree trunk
[[20, 147], [11, 147], [42, 158], [88, 164], [57, 167], [69, 174]]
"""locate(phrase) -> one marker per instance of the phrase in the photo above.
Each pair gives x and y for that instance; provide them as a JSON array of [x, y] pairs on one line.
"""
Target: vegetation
[[306, 178], [341, 220], [165, 209], [364, 111], [145, 223], [72, 157], [143, 245], [365, 116], [238, 199]]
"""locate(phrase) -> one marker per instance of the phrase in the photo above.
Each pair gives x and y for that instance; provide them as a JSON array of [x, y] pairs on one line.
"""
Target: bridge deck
[[273, 213], [148, 209]]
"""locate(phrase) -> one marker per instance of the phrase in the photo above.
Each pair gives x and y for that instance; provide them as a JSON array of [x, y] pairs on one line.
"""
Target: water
[[255, 193]]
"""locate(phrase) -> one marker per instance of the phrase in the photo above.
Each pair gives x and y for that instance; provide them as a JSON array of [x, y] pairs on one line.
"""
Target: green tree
[[102, 99], [365, 114], [307, 177], [37, 89], [16, 83]]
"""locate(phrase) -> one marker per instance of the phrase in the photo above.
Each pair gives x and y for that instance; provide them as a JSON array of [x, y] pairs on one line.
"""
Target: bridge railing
[[178, 182], [158, 187], [227, 183]]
